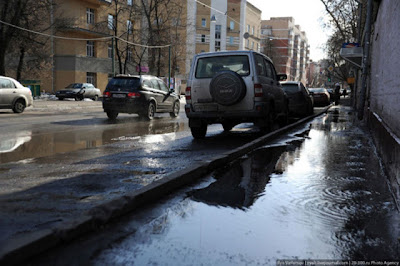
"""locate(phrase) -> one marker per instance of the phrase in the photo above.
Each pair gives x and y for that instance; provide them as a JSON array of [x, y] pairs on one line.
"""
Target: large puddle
[[28, 144], [320, 195]]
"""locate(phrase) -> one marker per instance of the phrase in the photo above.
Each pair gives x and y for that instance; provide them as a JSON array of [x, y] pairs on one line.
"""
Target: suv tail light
[[258, 92], [107, 94], [133, 95], [188, 94]]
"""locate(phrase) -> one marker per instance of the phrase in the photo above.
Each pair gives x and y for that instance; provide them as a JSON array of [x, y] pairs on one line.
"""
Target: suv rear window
[[124, 84], [290, 88], [207, 67]]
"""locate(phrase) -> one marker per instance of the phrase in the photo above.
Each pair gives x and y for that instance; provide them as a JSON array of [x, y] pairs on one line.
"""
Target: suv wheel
[[227, 88], [176, 108], [269, 123], [149, 113], [112, 114], [19, 106], [199, 132]]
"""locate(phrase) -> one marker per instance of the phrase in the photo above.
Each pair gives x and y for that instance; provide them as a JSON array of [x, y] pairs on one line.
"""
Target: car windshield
[[207, 67], [124, 84], [74, 86], [319, 90], [290, 88]]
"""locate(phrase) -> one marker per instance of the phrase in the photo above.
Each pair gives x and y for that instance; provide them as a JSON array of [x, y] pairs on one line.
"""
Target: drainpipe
[[365, 61], [52, 46]]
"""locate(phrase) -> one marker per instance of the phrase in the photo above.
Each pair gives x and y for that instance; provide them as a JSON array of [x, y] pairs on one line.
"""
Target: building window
[[203, 22], [248, 29], [129, 2], [232, 25], [247, 43], [110, 21], [203, 38], [252, 45], [89, 16], [217, 31], [129, 27], [252, 30], [90, 48], [217, 45], [110, 50], [231, 40], [91, 78]]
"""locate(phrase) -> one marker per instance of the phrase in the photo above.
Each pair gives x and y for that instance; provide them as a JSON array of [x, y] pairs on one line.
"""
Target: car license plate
[[118, 95], [205, 107]]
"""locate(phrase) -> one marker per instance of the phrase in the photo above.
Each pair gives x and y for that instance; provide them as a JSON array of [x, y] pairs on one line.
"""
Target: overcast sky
[[306, 13]]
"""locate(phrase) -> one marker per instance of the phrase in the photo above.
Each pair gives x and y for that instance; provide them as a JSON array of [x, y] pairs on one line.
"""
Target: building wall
[[385, 88], [289, 47], [253, 27]]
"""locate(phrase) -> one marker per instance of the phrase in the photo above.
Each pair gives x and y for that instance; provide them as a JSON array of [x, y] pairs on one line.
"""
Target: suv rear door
[[205, 69]]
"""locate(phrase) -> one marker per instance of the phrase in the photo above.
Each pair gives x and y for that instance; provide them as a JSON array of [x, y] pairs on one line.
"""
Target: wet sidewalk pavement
[[318, 194]]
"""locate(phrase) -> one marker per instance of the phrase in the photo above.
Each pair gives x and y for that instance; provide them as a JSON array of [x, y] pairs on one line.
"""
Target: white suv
[[233, 87]]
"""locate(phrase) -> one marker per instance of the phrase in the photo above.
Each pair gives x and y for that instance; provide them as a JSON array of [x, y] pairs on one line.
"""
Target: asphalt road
[[59, 160]]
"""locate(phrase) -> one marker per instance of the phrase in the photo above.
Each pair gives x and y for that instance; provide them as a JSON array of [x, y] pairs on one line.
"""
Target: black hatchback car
[[144, 95]]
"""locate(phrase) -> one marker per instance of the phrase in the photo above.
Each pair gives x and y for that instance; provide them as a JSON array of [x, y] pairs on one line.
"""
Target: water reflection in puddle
[[297, 201], [30, 144]]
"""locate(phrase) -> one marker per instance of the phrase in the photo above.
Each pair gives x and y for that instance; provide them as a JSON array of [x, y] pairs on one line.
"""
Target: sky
[[306, 13]]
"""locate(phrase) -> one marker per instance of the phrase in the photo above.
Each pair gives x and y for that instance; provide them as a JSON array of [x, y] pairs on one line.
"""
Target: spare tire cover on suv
[[227, 88]]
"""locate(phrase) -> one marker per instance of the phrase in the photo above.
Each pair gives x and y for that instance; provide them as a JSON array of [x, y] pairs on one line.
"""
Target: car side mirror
[[281, 77], [171, 90]]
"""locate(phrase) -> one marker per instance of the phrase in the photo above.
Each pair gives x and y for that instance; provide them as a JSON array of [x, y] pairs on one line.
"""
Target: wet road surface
[[319, 193], [56, 170]]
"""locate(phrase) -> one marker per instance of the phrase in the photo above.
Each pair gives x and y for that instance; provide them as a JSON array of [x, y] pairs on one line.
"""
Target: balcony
[[98, 2]]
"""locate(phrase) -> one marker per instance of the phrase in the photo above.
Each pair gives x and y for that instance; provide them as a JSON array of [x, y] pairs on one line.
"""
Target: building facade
[[218, 25], [99, 30], [287, 45]]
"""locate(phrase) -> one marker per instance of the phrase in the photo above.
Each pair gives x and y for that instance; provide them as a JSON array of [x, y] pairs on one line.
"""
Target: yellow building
[[83, 50]]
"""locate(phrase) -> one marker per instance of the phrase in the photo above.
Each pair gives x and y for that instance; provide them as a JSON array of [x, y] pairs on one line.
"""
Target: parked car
[[13, 95], [79, 91], [143, 95], [301, 103], [321, 96], [233, 87]]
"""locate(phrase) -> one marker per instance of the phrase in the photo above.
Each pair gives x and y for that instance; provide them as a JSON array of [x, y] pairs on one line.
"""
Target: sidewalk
[[42, 105]]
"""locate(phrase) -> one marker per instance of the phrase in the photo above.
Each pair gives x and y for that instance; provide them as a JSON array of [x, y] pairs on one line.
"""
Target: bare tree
[[343, 21], [164, 25], [27, 47]]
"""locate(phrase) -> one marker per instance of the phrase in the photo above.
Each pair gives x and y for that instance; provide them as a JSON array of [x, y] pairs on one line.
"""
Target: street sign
[[330, 68]]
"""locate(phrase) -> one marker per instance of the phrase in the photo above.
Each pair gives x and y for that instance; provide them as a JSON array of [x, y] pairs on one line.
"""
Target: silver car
[[234, 87], [79, 91], [13, 95]]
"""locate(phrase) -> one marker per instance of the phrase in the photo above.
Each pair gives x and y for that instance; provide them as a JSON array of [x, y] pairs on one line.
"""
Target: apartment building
[[83, 50], [287, 45], [217, 25]]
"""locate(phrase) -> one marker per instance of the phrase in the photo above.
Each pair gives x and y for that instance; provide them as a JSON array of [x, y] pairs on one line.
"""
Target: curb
[[21, 248]]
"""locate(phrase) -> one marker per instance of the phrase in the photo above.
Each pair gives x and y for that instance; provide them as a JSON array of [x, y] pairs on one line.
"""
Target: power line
[[85, 39]]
